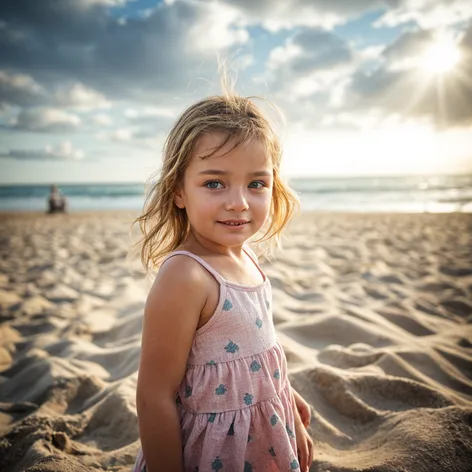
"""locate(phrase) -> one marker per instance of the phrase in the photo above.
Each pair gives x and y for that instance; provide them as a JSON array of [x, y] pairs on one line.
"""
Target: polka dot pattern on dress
[[234, 403]]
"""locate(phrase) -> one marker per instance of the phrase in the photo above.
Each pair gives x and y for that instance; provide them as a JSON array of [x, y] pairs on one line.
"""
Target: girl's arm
[[171, 318], [304, 441], [300, 405]]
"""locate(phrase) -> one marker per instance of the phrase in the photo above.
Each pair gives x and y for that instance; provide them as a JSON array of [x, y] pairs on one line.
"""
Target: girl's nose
[[237, 201]]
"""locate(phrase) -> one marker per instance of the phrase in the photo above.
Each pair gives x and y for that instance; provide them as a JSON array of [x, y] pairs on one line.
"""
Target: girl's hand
[[303, 408], [304, 445]]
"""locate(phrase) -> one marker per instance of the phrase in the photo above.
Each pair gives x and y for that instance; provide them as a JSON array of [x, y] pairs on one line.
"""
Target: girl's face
[[227, 197]]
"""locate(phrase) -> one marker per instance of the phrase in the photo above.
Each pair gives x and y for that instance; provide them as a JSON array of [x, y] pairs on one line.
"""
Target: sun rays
[[435, 80], [441, 57]]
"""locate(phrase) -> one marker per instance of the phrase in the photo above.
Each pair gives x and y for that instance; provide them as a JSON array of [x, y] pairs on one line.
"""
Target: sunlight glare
[[441, 57]]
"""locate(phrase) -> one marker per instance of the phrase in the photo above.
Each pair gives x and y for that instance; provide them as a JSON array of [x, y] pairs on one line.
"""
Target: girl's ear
[[178, 198]]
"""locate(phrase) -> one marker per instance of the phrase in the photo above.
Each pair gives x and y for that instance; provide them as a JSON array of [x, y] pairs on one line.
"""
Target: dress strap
[[207, 266], [250, 253], [253, 257]]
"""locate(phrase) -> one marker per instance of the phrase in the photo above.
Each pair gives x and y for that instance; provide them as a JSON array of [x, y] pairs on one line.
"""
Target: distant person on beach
[[213, 392], [57, 203]]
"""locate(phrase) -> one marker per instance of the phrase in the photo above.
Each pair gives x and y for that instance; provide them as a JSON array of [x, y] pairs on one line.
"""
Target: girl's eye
[[212, 184], [257, 183]]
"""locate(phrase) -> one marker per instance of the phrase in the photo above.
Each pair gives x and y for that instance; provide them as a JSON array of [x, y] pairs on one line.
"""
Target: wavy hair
[[163, 225]]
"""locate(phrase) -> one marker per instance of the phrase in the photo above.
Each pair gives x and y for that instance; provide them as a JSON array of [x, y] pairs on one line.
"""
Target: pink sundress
[[235, 399]]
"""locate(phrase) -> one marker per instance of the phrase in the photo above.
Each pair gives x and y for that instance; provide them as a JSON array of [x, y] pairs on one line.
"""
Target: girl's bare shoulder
[[178, 274]]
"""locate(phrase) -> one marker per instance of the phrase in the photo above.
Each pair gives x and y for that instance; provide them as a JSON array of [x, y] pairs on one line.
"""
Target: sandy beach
[[374, 312]]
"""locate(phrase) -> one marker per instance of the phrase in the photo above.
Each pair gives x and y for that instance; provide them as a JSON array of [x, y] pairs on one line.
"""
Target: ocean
[[415, 194]]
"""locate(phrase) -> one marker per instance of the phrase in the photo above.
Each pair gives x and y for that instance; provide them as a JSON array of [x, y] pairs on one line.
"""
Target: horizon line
[[334, 177]]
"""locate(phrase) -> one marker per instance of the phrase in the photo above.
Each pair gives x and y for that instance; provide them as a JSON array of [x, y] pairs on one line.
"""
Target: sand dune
[[374, 313]]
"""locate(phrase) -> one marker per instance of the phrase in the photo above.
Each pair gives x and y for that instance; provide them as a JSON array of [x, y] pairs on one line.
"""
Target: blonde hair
[[164, 226]]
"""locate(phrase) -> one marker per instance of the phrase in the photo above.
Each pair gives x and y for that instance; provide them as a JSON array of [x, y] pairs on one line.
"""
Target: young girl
[[213, 392]]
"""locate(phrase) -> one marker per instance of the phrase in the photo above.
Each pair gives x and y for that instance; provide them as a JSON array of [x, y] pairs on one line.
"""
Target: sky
[[90, 88]]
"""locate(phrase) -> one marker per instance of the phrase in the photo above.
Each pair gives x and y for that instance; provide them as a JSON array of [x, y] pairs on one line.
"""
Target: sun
[[441, 57]]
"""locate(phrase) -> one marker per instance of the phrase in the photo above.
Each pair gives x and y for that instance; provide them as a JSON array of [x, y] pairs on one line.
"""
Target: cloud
[[63, 152], [318, 50], [149, 120], [218, 27], [46, 120], [136, 137], [20, 89], [399, 84], [427, 14], [122, 134], [106, 3], [102, 119], [322, 81], [62, 57], [145, 58], [17, 89], [409, 45], [307, 74], [305, 56], [80, 96], [277, 14]]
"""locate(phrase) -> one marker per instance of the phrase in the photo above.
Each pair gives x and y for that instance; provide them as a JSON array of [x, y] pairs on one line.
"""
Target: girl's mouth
[[234, 223]]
